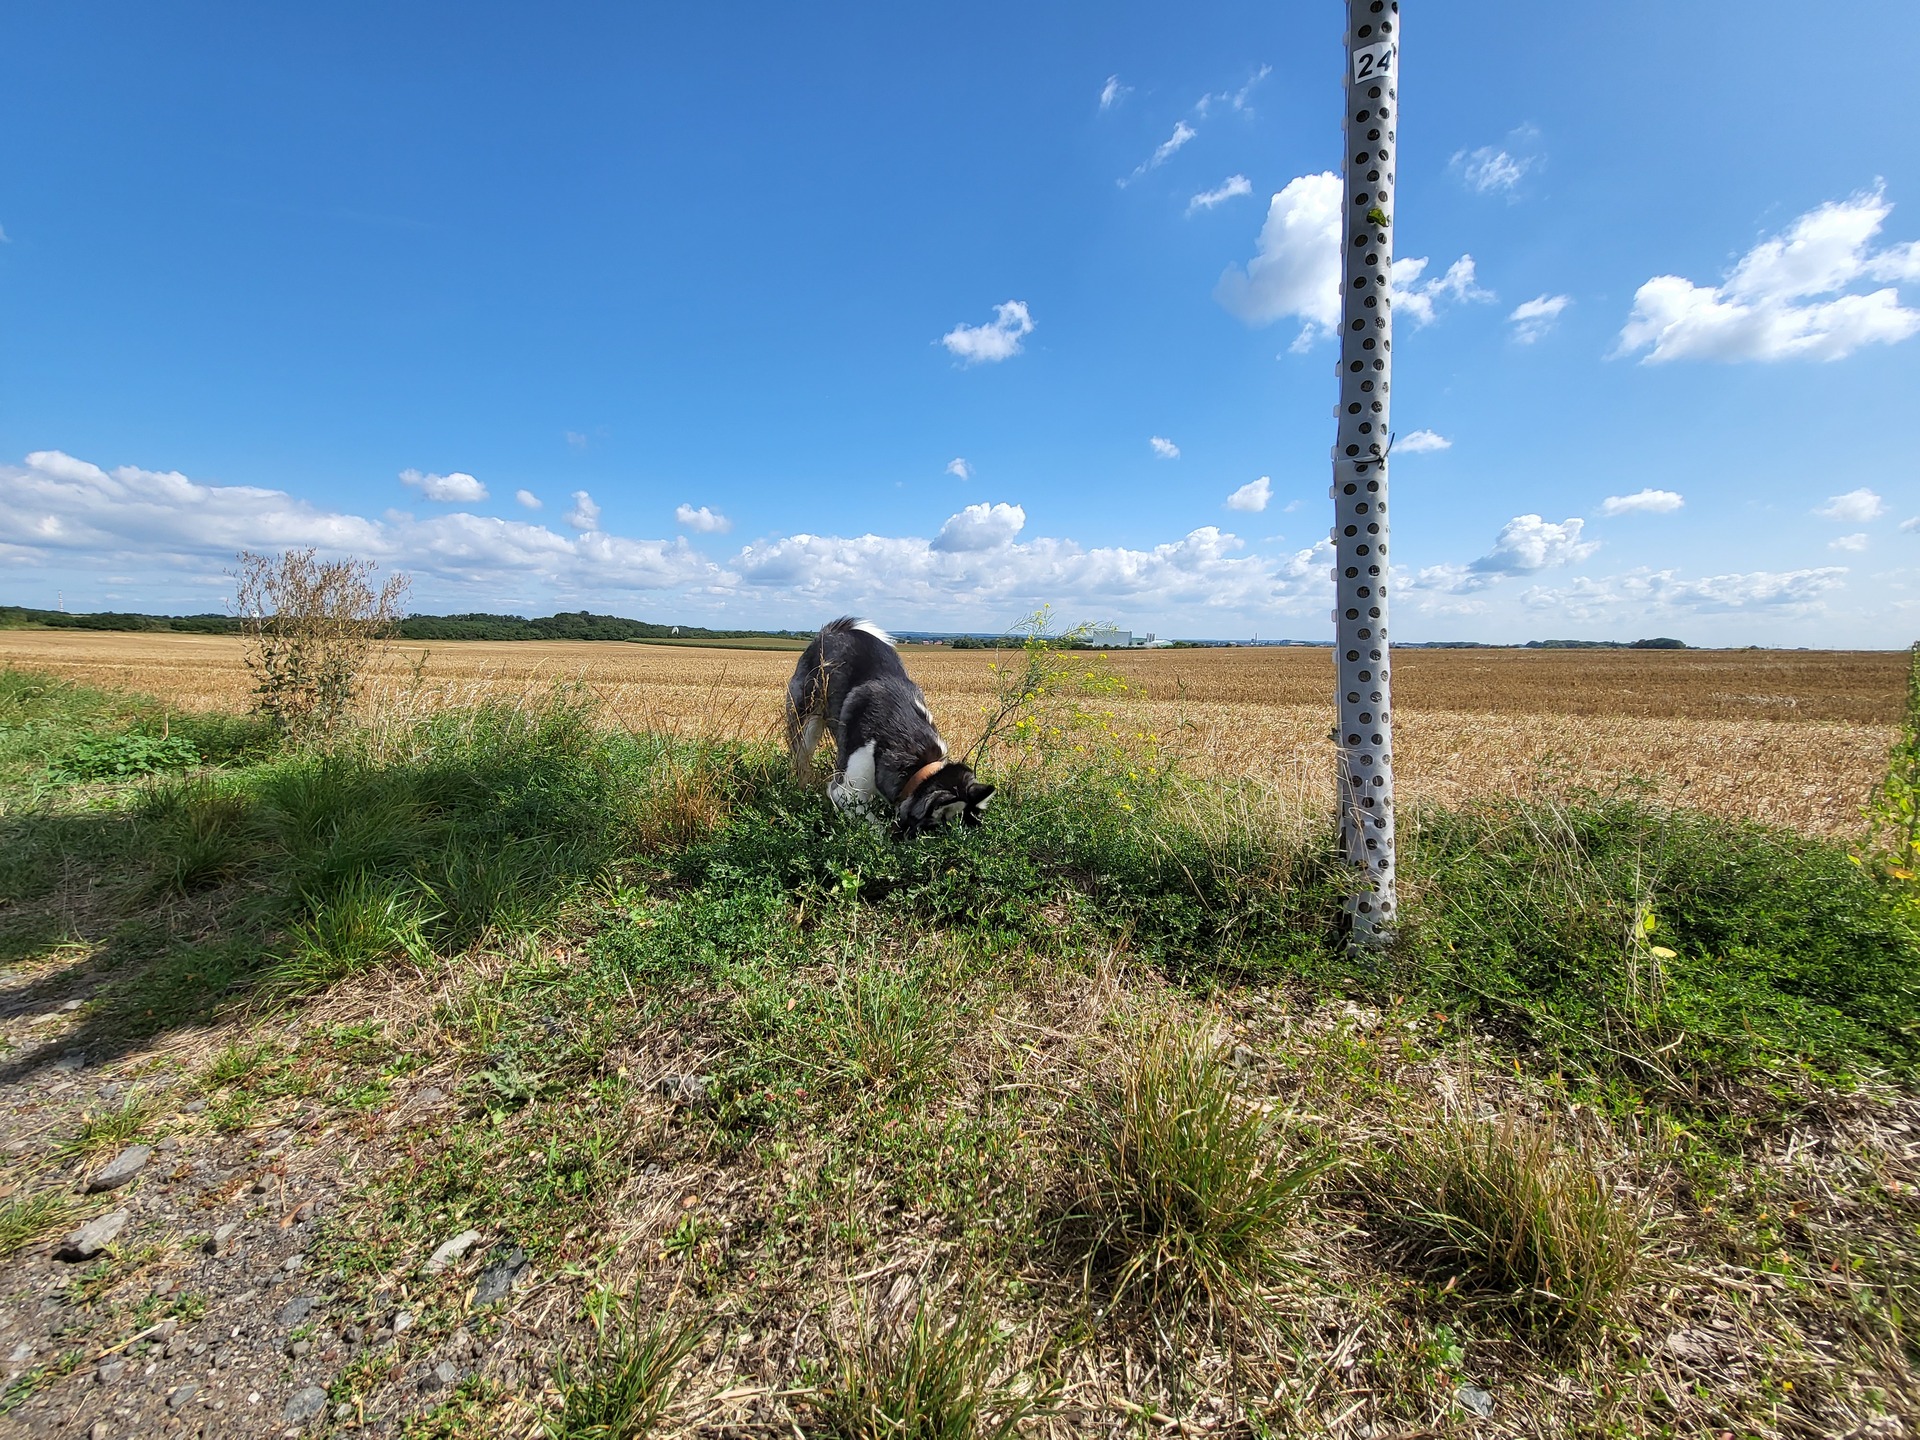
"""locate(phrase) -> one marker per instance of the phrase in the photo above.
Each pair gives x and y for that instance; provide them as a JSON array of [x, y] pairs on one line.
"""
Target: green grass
[[112, 1129], [1184, 1192], [921, 1377], [26, 1219], [624, 1387], [1499, 1211]]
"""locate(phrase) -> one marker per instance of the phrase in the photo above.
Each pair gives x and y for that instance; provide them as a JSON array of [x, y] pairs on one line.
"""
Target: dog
[[887, 753]]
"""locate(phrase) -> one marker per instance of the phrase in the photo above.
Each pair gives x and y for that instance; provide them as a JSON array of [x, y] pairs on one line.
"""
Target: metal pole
[[1360, 467]]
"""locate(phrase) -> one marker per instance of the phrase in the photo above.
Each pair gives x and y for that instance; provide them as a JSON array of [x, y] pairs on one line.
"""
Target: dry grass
[[1795, 738]]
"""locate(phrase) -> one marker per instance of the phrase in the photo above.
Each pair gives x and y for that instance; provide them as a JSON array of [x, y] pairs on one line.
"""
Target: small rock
[[194, 1107], [181, 1395], [93, 1237], [293, 1263], [499, 1278], [261, 1186], [430, 1095], [73, 1005], [71, 1061], [401, 1320], [164, 1330], [305, 1404], [222, 1237], [351, 1334], [1474, 1399], [450, 1251], [110, 1372], [101, 1431], [125, 1166], [294, 1311], [682, 1089], [343, 1412], [300, 1349], [168, 1144], [303, 1213], [443, 1376], [22, 1353]]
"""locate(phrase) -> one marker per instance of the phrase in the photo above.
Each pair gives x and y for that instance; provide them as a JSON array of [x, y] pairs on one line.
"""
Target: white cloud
[[1642, 502], [991, 343], [959, 469], [1415, 298], [1488, 170], [457, 488], [5, 239], [1422, 442], [1856, 507], [1168, 148], [1533, 318], [1113, 92], [575, 440], [1848, 542], [1252, 496], [1230, 188], [703, 520], [1768, 307], [585, 515], [56, 510], [1164, 447], [981, 527], [1527, 543], [528, 499], [1907, 527], [1235, 98], [1782, 592], [1297, 268]]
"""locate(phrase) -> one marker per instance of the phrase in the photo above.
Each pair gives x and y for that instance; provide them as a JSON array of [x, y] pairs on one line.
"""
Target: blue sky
[[778, 312]]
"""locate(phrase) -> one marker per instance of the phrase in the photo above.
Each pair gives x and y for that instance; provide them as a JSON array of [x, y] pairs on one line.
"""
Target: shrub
[[310, 626], [125, 756], [1183, 1193], [1509, 1218]]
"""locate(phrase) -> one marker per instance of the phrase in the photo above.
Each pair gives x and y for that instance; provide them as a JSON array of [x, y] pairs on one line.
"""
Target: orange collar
[[920, 777]]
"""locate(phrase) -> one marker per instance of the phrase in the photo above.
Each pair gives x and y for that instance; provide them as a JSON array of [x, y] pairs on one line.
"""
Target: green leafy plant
[[125, 756]]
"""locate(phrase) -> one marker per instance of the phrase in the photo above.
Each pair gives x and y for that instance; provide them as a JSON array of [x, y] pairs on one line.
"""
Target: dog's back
[[846, 655]]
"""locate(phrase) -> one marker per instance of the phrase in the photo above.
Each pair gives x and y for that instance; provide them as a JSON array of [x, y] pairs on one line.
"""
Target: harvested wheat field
[[1794, 738]]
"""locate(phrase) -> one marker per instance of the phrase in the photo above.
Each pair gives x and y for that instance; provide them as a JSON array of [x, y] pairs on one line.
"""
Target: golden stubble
[[1795, 738]]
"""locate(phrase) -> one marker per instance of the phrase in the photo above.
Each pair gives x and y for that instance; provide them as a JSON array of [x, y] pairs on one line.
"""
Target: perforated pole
[[1359, 491]]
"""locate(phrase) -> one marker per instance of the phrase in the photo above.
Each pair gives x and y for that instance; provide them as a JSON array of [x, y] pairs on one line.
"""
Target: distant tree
[[310, 626]]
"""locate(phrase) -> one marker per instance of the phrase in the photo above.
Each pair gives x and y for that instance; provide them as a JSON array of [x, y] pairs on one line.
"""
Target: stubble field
[[1795, 738]]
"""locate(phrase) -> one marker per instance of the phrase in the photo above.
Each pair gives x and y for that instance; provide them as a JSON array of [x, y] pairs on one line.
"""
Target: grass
[[626, 1385], [704, 1046], [921, 1377], [1184, 1193], [111, 1129], [26, 1219], [1502, 1212]]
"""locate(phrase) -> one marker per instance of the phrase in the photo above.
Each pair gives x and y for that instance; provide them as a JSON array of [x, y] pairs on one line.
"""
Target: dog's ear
[[978, 795]]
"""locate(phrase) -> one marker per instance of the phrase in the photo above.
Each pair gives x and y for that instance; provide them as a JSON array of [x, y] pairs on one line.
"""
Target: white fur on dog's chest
[[856, 789]]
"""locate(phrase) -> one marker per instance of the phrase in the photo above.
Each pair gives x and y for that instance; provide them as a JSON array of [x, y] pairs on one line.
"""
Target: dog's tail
[[807, 705]]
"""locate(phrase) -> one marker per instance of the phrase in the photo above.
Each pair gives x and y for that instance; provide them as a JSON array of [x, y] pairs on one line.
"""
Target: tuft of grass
[[925, 1379], [364, 923], [1183, 1189], [202, 834], [882, 1033], [25, 1219], [1510, 1218], [624, 1388], [110, 1129], [241, 1062]]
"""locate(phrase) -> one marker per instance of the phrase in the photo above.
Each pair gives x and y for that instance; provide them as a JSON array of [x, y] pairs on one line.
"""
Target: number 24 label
[[1371, 62]]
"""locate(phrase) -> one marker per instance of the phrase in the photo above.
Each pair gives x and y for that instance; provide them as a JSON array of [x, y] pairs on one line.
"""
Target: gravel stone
[[125, 1166], [294, 1311], [450, 1251], [498, 1279], [93, 1237], [182, 1395], [307, 1403], [1473, 1398]]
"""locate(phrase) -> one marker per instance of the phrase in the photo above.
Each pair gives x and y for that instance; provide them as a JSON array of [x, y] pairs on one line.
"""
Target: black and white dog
[[887, 753]]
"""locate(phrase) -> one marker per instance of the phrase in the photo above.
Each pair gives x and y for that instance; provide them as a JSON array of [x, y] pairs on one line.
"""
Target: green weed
[[25, 1219], [111, 1129], [623, 1389]]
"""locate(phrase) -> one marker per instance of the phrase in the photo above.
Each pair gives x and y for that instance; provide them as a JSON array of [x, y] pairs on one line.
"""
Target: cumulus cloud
[[1789, 297], [1422, 442], [585, 515], [55, 509], [959, 469], [528, 499], [459, 488], [1642, 502], [993, 342], [1164, 447], [1533, 318], [1856, 507], [1849, 542], [1488, 170], [703, 520], [1296, 268], [1525, 544], [1113, 92], [981, 527], [1167, 149], [1252, 496], [1228, 189]]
